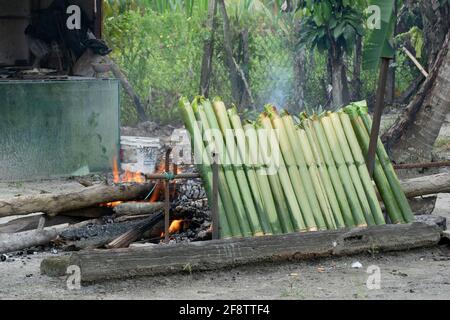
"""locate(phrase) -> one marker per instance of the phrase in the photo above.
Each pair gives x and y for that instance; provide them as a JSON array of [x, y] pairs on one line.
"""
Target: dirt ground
[[418, 274]]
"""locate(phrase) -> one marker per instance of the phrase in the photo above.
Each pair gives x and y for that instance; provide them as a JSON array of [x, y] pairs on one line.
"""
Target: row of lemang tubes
[[282, 173]]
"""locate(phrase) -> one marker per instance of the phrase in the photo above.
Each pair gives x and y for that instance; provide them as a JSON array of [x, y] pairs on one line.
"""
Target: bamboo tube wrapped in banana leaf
[[225, 209], [303, 170], [315, 177], [274, 148], [298, 183], [388, 168], [351, 165], [333, 171], [248, 187], [382, 182], [258, 156], [324, 174], [234, 167], [214, 135], [258, 182], [362, 168], [343, 171]]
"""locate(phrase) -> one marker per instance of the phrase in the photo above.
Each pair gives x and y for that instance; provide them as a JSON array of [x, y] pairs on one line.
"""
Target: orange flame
[[116, 170], [129, 176], [111, 204], [175, 226], [133, 177], [159, 185]]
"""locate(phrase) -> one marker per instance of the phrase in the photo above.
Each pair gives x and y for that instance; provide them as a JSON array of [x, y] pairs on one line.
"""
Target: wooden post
[[98, 20], [379, 105], [215, 200], [167, 198]]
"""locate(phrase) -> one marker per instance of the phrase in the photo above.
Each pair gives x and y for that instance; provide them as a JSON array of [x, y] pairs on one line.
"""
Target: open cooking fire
[[189, 208], [128, 176], [175, 227]]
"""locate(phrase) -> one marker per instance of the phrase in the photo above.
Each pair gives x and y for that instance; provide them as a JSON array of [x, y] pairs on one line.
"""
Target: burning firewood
[[132, 235], [137, 208], [54, 204]]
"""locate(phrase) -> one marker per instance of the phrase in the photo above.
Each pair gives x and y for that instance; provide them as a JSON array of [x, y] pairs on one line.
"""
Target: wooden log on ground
[[422, 165], [31, 223], [432, 184], [10, 242], [53, 204], [100, 265], [137, 208]]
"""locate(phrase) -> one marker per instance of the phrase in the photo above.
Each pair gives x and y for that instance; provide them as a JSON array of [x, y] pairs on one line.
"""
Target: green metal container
[[57, 128]]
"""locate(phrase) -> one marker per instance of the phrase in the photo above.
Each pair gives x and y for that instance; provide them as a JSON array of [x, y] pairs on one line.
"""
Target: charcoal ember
[[181, 237], [191, 200], [203, 235], [194, 209], [206, 225], [191, 190]]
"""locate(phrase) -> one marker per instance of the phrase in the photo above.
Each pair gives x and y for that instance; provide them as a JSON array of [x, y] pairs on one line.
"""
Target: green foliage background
[[159, 46]]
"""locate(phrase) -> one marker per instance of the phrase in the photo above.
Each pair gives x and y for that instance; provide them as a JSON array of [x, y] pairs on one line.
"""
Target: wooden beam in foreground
[[100, 265]]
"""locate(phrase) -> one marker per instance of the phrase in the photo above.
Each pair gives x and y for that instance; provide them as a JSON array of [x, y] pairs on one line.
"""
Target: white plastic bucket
[[139, 154]]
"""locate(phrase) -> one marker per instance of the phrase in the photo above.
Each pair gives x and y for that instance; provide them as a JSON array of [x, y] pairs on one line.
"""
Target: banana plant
[[379, 49], [379, 43]]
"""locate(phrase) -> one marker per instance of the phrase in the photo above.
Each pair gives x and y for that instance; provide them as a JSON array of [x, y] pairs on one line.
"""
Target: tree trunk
[[128, 89], [436, 24], [327, 84], [412, 136], [338, 78], [227, 39], [389, 96], [208, 50], [245, 67], [238, 78], [357, 63], [409, 92], [299, 81]]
